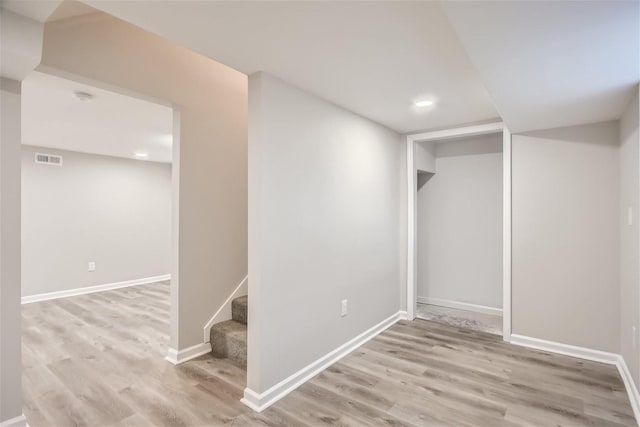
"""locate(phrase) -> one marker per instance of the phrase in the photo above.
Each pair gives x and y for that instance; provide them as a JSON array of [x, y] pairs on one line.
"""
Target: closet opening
[[459, 264]]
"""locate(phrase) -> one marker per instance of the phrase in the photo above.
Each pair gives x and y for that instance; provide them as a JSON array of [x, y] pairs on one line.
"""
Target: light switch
[[345, 309]]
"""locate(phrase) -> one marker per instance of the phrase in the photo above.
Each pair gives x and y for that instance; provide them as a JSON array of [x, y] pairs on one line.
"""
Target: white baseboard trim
[[587, 354], [629, 384], [253, 400], [565, 349], [224, 312], [19, 421], [460, 305], [261, 401], [177, 357], [92, 289]]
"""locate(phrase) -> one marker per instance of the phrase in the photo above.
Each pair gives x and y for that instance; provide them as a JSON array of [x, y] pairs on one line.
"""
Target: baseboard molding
[[224, 312], [19, 421], [261, 401], [460, 305], [177, 357], [587, 354], [565, 349], [630, 385], [92, 289]]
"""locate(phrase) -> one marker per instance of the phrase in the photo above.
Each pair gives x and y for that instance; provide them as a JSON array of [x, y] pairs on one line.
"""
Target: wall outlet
[[92, 266], [345, 308], [634, 337]]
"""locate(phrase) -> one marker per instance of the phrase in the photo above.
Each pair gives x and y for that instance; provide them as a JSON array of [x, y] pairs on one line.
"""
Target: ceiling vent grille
[[48, 159]]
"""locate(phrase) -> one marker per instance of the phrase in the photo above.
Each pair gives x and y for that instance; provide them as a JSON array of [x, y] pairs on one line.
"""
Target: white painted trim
[[178, 357], [445, 134], [224, 312], [484, 129], [565, 349], [461, 305], [174, 288], [19, 421], [253, 400], [92, 289], [630, 385], [261, 401], [587, 354], [506, 234], [412, 189]]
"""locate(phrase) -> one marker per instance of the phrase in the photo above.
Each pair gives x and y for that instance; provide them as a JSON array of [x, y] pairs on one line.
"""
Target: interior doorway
[[97, 240], [97, 205], [459, 224], [459, 234]]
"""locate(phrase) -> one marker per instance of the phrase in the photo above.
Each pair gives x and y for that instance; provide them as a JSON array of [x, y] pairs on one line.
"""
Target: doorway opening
[[459, 263], [97, 219]]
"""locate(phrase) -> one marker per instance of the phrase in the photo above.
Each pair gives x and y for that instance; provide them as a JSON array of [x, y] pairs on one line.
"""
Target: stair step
[[239, 307], [229, 339]]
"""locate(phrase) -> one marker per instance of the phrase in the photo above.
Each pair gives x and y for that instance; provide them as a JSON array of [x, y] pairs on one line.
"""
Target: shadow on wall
[[571, 135], [486, 144], [423, 178]]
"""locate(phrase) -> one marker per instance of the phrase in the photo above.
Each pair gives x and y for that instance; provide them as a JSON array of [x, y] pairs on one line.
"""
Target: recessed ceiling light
[[141, 154], [82, 96], [425, 103]]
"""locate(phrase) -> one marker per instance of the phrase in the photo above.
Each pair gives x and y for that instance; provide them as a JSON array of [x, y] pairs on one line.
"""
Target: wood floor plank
[[87, 386], [98, 360]]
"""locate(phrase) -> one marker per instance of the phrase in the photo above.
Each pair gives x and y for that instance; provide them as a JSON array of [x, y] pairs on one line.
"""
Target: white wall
[[565, 265], [424, 156], [10, 320], [629, 237], [21, 46], [115, 212], [459, 223], [325, 188], [20, 51], [209, 157]]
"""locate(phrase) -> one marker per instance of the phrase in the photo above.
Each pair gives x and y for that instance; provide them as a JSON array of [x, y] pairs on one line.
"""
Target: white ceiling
[[110, 124], [552, 64], [373, 58], [38, 10], [46, 10], [545, 64]]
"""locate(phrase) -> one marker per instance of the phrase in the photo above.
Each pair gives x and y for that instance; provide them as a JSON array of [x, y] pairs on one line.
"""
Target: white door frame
[[497, 127]]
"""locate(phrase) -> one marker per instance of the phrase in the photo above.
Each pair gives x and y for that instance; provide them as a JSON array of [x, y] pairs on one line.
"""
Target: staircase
[[229, 338]]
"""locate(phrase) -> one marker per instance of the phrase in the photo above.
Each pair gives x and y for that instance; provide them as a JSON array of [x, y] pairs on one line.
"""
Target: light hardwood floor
[[98, 360], [482, 322]]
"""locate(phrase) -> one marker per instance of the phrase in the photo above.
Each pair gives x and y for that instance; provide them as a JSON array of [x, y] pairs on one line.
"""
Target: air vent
[[49, 159]]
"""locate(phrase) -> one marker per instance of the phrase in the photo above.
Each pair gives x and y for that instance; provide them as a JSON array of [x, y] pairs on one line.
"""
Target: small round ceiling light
[[141, 155], [424, 103]]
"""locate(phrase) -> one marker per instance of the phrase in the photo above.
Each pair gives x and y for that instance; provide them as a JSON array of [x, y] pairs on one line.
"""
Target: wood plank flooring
[[482, 322], [98, 360]]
